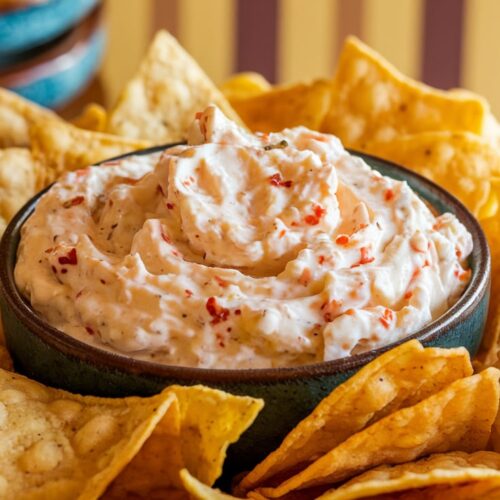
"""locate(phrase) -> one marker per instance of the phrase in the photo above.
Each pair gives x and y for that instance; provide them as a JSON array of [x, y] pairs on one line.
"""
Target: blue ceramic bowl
[[48, 355], [25, 28], [55, 73]]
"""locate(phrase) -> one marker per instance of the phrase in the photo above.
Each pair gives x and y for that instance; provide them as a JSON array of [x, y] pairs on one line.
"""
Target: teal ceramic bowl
[[32, 25], [48, 355], [53, 74]]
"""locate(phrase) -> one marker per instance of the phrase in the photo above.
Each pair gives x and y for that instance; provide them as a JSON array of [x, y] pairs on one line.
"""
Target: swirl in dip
[[239, 251]]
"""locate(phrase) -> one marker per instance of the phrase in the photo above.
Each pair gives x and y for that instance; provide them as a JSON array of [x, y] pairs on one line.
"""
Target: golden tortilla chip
[[59, 147], [199, 491], [489, 353], [17, 182], [54, 444], [210, 421], [487, 489], [373, 101], [460, 162], [286, 107], [93, 117], [397, 379], [445, 469], [160, 102], [244, 85], [16, 116], [458, 418]]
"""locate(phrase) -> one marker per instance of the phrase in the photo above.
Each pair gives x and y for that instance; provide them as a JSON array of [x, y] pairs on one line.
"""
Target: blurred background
[[446, 43]]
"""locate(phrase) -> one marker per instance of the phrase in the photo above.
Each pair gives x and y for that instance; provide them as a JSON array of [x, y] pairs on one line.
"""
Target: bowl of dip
[[271, 265]]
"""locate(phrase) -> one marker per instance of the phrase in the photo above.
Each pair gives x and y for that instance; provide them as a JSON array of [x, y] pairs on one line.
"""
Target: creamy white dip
[[238, 251]]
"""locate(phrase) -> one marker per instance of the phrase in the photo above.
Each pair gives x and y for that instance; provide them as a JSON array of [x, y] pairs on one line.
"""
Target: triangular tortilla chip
[[16, 116], [459, 418], [372, 100], [489, 353], [286, 107], [441, 469], [460, 162], [59, 147], [210, 421], [160, 102], [54, 444], [17, 182], [199, 491], [399, 378]]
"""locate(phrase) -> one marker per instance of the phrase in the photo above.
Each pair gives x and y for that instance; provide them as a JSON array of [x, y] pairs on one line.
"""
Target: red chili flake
[[387, 318], [305, 277], [313, 219], [331, 310], [220, 339], [102, 281], [365, 256], [49, 250], [427, 264], [188, 293], [462, 276], [276, 180], [408, 294], [342, 239], [170, 206], [222, 282], [54, 270], [350, 312], [282, 233], [89, 330], [77, 200], [237, 312], [70, 259], [229, 329], [389, 195], [415, 274], [215, 310], [458, 253], [64, 270], [294, 223], [321, 259]]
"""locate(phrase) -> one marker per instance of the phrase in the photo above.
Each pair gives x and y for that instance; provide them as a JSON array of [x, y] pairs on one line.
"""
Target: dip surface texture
[[239, 251]]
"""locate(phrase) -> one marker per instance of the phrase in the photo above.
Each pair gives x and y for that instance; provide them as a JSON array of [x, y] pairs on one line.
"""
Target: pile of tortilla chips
[[414, 424]]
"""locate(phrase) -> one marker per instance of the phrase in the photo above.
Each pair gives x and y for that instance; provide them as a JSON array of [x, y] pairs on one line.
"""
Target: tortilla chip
[[487, 489], [244, 85], [17, 182], [160, 102], [286, 107], [16, 116], [59, 147], [489, 352], [210, 421], [93, 117], [54, 444], [446, 468], [458, 418], [372, 100], [397, 379], [199, 491], [154, 471], [460, 162]]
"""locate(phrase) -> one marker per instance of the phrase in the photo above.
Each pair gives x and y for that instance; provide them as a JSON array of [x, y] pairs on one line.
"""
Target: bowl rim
[[73, 348]]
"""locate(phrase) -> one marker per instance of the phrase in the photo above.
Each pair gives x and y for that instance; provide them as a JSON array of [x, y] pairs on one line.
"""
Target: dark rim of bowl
[[74, 348]]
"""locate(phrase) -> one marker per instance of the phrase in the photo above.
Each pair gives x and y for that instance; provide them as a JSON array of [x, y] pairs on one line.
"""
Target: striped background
[[447, 43]]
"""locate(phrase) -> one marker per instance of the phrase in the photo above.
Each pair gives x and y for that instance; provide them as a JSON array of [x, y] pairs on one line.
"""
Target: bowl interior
[[436, 196]]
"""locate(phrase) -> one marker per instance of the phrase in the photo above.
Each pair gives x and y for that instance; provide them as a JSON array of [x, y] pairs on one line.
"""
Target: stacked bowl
[[49, 49]]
